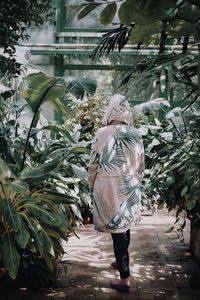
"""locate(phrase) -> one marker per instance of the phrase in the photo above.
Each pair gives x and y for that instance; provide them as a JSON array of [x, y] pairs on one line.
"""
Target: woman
[[115, 173]]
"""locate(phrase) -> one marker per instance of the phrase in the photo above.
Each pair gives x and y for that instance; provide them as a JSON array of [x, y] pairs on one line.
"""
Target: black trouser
[[120, 245]]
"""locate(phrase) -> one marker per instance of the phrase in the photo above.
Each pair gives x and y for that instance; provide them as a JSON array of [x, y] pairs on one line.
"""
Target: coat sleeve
[[93, 165], [137, 158], [142, 161]]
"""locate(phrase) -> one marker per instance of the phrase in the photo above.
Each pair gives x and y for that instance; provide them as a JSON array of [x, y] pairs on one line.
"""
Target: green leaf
[[33, 230], [4, 170], [39, 86], [184, 191], [42, 214], [10, 215], [58, 198], [80, 172], [170, 76], [108, 13], [141, 33], [144, 12], [76, 211], [19, 187], [126, 12], [56, 92], [79, 86], [11, 257], [191, 203], [22, 236], [48, 245], [86, 10], [151, 88], [80, 150], [40, 171], [55, 129]]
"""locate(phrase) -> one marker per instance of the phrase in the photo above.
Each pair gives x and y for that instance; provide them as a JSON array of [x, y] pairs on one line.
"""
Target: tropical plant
[[163, 24], [145, 21], [172, 162], [15, 18], [42, 175]]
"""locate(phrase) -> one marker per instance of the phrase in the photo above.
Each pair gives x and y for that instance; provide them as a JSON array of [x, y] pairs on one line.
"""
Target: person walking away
[[114, 178]]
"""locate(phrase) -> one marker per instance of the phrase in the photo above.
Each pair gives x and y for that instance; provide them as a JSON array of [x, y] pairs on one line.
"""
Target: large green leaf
[[55, 129], [32, 225], [11, 257], [142, 33], [144, 12], [38, 86], [87, 9], [41, 89], [56, 197], [108, 13], [126, 12], [40, 171], [42, 214], [22, 236], [4, 170], [79, 86], [9, 214], [48, 245], [19, 187]]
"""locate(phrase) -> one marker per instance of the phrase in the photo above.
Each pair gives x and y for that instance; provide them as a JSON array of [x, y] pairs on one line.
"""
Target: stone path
[[162, 268]]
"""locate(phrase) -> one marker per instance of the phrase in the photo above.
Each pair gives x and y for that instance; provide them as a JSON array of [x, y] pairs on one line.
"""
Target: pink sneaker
[[118, 284]]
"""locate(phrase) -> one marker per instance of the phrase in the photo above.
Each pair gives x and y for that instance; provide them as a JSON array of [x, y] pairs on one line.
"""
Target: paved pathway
[[162, 268]]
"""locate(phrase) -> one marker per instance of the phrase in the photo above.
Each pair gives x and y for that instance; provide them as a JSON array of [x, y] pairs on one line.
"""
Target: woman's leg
[[120, 245]]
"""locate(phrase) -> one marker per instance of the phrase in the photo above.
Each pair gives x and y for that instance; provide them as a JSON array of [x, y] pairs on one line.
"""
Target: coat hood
[[118, 110]]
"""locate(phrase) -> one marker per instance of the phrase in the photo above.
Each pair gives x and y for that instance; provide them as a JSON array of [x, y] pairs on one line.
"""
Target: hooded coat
[[115, 170]]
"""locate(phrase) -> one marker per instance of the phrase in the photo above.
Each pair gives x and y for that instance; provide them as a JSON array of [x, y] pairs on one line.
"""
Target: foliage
[[87, 112], [42, 174], [172, 159], [159, 23], [149, 17], [15, 17], [162, 74]]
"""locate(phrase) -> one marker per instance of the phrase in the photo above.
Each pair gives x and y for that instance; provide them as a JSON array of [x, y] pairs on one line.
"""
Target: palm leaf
[[81, 86]]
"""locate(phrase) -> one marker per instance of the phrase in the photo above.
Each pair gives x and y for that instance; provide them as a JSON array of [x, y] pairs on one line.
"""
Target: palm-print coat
[[115, 173]]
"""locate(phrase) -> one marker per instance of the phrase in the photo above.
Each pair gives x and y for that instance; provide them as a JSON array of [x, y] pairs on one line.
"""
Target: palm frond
[[114, 39]]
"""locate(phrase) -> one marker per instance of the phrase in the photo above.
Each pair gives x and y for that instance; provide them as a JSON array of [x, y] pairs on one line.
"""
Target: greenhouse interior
[[99, 149]]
